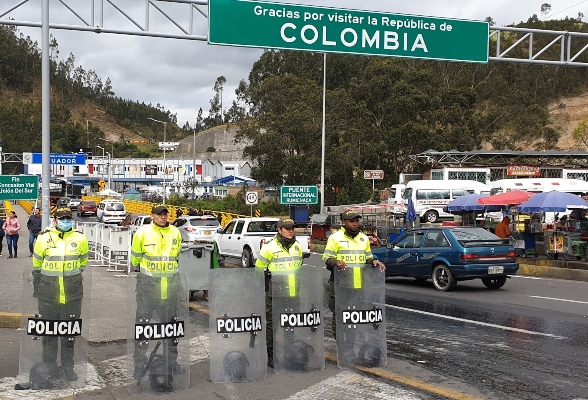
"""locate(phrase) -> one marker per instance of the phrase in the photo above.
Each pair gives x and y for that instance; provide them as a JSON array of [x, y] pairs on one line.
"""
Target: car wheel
[[431, 216], [443, 279], [246, 261], [494, 283]]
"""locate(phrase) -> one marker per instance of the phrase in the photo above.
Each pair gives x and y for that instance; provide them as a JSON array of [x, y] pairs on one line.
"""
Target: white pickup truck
[[243, 238]]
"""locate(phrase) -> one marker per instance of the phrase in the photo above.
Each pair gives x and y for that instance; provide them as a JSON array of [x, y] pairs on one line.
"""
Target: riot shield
[[54, 330], [361, 317], [237, 325], [297, 312], [158, 334]]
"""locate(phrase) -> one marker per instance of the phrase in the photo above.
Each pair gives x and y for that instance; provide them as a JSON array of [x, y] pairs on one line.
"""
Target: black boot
[[15, 253]]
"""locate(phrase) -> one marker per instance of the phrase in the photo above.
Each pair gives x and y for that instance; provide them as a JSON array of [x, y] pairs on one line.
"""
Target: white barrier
[[119, 249]]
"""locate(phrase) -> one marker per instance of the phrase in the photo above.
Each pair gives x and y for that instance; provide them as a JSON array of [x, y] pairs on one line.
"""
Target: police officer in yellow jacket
[[282, 253], [59, 257], [347, 246], [155, 253]]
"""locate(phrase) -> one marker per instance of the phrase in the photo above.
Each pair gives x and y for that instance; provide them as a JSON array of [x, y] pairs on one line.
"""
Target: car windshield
[[88, 203], [115, 207], [204, 222], [263, 226], [474, 234]]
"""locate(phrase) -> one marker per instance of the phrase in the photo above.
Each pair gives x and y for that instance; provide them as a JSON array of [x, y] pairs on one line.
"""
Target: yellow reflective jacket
[[355, 250], [275, 257], [58, 261], [281, 263], [156, 250]]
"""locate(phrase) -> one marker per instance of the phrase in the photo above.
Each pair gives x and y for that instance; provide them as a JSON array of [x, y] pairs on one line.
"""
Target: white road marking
[[348, 385], [469, 321], [556, 299], [527, 277]]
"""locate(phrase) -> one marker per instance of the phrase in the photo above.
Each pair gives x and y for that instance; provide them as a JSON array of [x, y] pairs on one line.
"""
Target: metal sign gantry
[[91, 17]]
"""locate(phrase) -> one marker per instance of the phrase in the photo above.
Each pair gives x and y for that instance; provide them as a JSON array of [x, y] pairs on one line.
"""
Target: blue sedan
[[450, 254]]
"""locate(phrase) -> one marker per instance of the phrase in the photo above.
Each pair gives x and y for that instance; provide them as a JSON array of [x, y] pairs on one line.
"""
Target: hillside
[[565, 115]]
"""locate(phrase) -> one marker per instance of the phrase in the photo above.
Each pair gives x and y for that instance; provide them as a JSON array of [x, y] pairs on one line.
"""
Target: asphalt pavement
[[107, 338]]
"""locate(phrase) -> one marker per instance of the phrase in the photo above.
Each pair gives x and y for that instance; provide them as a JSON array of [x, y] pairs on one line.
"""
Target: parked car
[[135, 221], [74, 203], [87, 207], [195, 228], [244, 237], [111, 211], [450, 254], [63, 202]]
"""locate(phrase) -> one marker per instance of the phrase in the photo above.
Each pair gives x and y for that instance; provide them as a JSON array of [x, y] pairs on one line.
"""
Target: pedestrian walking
[[2, 233], [11, 227], [34, 226]]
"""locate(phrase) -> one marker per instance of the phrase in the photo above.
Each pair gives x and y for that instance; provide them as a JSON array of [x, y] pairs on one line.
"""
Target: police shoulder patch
[[361, 239]]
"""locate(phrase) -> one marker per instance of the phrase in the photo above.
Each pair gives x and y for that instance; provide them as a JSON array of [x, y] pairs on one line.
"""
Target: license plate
[[496, 270], [207, 232]]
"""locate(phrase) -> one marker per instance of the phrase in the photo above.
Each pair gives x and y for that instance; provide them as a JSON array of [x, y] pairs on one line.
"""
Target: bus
[[431, 196], [576, 186]]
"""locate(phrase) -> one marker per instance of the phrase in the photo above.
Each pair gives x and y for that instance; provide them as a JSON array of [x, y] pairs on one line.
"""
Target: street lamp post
[[102, 175], [110, 157], [194, 158], [164, 147]]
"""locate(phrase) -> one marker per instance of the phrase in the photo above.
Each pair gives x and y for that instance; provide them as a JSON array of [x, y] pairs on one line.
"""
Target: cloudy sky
[[180, 74]]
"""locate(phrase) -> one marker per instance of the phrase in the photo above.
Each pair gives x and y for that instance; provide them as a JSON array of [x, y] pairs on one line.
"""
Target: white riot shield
[[54, 330], [361, 317], [237, 325], [120, 245], [89, 229], [105, 247], [297, 314], [158, 334]]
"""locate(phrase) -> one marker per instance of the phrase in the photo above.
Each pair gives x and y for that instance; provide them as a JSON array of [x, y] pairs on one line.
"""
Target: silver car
[[195, 228]]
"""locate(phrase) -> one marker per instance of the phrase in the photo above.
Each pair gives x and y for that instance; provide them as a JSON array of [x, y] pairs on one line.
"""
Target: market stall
[[560, 240]]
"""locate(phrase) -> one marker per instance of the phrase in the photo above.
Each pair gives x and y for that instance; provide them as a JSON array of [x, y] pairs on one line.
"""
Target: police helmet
[[369, 356], [160, 374], [297, 355], [235, 366]]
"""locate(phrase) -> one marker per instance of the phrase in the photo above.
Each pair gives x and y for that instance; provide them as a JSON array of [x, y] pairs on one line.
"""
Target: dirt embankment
[[565, 115]]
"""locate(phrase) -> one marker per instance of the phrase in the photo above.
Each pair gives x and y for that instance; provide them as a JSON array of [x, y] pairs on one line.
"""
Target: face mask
[[64, 225]]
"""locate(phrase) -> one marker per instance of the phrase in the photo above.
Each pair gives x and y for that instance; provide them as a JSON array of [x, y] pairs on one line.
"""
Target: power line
[[565, 9]]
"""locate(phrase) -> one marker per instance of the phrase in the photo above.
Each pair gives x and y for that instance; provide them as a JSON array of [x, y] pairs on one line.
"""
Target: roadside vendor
[[502, 229], [579, 213]]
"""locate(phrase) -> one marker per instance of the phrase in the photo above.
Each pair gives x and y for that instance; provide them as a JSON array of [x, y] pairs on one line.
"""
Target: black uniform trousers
[[56, 311], [151, 305]]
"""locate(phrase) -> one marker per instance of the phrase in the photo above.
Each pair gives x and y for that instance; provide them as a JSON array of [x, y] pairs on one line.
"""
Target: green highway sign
[[19, 187], [330, 30], [298, 195]]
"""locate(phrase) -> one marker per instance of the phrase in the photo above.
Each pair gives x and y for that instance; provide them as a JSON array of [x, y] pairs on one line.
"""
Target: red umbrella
[[506, 199]]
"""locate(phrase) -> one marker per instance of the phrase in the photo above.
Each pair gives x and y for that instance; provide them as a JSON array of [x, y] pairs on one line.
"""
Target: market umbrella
[[552, 202], [411, 212], [469, 202], [505, 199]]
